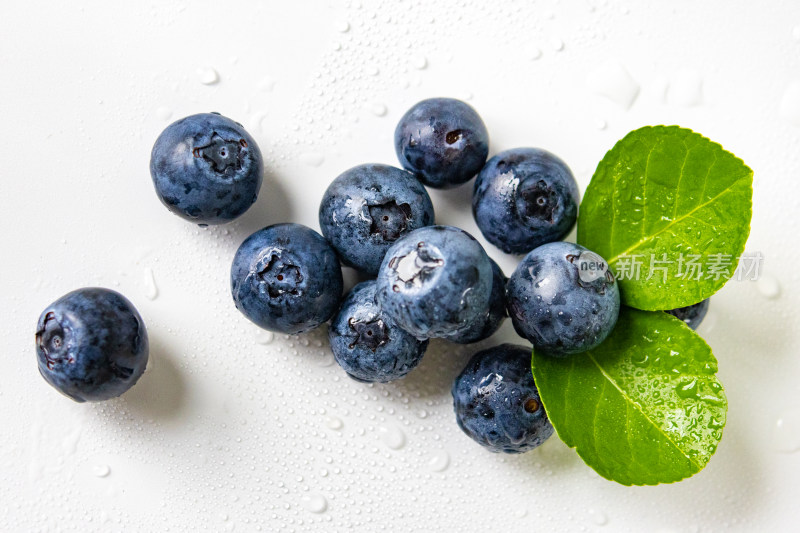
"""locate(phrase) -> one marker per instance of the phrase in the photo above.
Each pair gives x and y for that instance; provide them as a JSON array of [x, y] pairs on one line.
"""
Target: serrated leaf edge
[[749, 173], [685, 216], [605, 375]]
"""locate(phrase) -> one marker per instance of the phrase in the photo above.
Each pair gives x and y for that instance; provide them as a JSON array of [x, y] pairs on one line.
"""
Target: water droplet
[[256, 121], [163, 113], [786, 432], [612, 80], [335, 423], [419, 62], [324, 358], [70, 442], [266, 84], [687, 389], [263, 336], [378, 109], [343, 26], [150, 287], [534, 53], [101, 470], [314, 503], [557, 44], [393, 437], [790, 103], [598, 517], [600, 124], [768, 286], [207, 75], [439, 461], [312, 159], [686, 89]]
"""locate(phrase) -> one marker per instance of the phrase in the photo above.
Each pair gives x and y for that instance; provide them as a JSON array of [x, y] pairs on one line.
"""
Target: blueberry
[[524, 198], [206, 168], [435, 281], [443, 141], [490, 321], [367, 344], [691, 314], [497, 403], [91, 344], [286, 278], [369, 207], [563, 298]]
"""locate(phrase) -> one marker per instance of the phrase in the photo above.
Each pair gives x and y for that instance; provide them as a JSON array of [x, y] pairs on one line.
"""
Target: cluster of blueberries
[[423, 280]]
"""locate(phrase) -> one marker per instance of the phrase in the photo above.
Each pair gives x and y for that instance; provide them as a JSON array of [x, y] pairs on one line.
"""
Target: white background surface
[[231, 429]]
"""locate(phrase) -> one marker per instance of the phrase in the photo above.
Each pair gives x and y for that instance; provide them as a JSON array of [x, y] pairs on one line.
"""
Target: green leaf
[[642, 408], [677, 204]]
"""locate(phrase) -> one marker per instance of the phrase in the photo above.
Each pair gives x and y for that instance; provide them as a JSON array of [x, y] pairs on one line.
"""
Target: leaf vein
[[705, 180], [637, 408], [683, 217], [615, 179], [644, 189], [680, 178]]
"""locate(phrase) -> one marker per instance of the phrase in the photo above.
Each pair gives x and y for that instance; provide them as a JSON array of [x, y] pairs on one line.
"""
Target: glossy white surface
[[236, 429]]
